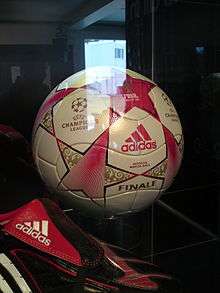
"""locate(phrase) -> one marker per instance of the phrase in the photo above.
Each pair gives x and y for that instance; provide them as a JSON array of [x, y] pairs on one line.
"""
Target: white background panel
[[137, 164], [166, 110], [81, 147], [48, 149], [136, 114], [60, 167], [48, 173], [63, 189], [120, 203], [134, 184], [87, 206]]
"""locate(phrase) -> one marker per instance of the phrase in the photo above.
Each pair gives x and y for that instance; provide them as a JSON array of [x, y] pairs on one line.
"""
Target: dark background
[[182, 39], [178, 44]]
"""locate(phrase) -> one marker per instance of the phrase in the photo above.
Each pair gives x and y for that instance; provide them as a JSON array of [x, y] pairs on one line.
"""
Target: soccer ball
[[107, 140]]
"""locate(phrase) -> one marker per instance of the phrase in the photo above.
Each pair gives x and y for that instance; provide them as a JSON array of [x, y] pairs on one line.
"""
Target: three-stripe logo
[[36, 229], [40, 226], [11, 279], [139, 140]]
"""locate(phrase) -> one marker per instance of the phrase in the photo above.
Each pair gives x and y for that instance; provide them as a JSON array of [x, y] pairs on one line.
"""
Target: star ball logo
[[79, 105], [79, 120]]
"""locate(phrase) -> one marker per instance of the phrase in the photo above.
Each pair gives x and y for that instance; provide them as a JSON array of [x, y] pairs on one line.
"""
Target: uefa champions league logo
[[79, 104], [79, 120], [126, 155]]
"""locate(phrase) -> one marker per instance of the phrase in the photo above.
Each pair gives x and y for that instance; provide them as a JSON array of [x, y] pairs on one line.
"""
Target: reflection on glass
[[105, 53]]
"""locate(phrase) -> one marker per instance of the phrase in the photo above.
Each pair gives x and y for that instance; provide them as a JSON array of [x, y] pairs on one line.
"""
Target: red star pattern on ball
[[88, 174]]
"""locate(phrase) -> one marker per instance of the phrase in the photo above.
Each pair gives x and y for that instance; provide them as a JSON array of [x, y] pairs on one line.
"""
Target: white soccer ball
[[107, 140]]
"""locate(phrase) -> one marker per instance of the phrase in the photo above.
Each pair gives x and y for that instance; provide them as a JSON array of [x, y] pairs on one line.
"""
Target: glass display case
[[175, 43]]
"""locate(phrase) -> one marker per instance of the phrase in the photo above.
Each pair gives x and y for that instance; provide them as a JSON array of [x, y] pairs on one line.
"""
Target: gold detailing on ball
[[79, 104], [47, 121], [113, 175], [159, 171], [70, 157]]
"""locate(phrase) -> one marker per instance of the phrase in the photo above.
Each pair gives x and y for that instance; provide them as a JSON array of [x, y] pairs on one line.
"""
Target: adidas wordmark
[[139, 140], [36, 229]]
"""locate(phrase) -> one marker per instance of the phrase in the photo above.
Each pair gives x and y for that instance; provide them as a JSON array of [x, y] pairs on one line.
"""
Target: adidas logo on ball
[[35, 231], [139, 140]]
